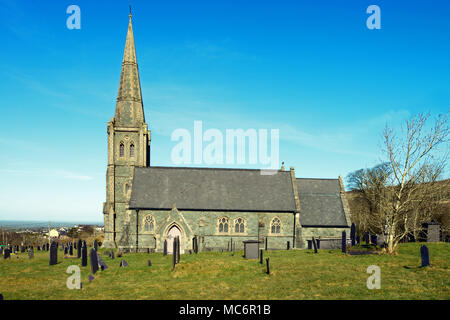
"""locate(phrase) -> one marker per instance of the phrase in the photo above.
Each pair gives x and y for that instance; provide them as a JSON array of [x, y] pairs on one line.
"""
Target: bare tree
[[403, 192]]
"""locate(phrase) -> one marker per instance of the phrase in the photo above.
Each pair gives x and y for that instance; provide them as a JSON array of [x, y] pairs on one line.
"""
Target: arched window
[[223, 225], [275, 225], [122, 150], [149, 223], [132, 150], [239, 226]]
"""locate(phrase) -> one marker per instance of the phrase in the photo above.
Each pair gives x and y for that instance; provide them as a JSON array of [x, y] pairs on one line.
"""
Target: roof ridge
[[209, 168]]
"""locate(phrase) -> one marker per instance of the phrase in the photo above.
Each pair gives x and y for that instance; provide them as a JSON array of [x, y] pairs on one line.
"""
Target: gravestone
[[48, 246], [265, 245], [53, 254], [22, 249], [353, 234], [149, 263], [344, 242], [287, 245], [79, 244], [374, 239], [84, 256], [112, 255], [123, 263], [95, 245], [101, 263], [174, 254], [91, 278], [425, 255], [165, 248], [70, 249], [178, 250], [38, 248], [261, 256], [268, 266], [30, 253], [358, 240], [66, 251], [366, 237], [6, 254], [94, 261], [314, 244]]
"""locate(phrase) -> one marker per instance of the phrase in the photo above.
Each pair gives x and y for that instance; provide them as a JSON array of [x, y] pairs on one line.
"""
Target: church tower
[[128, 145]]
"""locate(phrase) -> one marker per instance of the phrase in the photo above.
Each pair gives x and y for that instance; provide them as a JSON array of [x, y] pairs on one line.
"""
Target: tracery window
[[275, 225], [132, 150], [122, 150], [223, 225], [149, 223], [239, 226]]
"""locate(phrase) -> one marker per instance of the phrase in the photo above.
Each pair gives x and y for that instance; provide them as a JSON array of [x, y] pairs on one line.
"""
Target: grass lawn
[[295, 274]]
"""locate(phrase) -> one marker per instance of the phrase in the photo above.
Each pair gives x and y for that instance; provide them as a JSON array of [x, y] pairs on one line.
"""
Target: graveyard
[[294, 275]]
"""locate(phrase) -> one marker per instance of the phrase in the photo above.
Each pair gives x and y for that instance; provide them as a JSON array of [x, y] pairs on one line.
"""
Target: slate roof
[[211, 189], [320, 203], [216, 189]]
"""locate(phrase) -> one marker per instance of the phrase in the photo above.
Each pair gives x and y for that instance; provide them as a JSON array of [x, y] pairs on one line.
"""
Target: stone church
[[146, 205]]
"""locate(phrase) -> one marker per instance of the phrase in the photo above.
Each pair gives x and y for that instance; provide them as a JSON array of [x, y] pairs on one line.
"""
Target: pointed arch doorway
[[171, 235]]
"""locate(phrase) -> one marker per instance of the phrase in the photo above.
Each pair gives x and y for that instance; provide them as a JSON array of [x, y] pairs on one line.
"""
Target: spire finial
[[130, 10]]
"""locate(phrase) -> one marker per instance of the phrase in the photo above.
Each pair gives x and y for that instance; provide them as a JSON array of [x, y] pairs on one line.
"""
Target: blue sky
[[311, 69]]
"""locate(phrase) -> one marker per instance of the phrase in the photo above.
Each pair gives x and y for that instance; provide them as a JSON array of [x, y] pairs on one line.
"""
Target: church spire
[[129, 107]]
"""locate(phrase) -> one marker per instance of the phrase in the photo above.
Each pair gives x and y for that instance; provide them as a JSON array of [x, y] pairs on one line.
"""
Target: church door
[[171, 235]]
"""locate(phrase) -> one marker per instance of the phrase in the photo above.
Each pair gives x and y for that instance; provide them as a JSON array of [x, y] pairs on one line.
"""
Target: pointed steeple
[[129, 107]]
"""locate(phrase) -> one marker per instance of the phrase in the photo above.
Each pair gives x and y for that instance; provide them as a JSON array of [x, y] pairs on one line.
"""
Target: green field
[[295, 274]]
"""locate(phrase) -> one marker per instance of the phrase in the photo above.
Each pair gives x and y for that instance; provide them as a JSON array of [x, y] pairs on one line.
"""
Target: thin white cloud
[[48, 173]]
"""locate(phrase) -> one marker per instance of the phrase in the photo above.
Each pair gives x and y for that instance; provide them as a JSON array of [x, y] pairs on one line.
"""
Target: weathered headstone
[[84, 256], [358, 239], [30, 253], [287, 245], [165, 248], [22, 249], [265, 245], [344, 242], [70, 249], [48, 246], [425, 255], [94, 261], [66, 251], [374, 239], [261, 256], [38, 248], [101, 263], [353, 234], [6, 254], [268, 266], [79, 244], [95, 245], [314, 244], [149, 263], [53, 254], [123, 263]]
